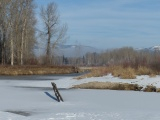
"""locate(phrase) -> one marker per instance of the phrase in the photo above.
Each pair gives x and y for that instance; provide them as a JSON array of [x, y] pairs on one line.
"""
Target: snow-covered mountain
[[152, 49], [69, 50], [155, 48]]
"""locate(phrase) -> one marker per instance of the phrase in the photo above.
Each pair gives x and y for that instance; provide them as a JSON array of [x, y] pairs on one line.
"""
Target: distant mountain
[[74, 50], [69, 50], [152, 49], [155, 48], [81, 50]]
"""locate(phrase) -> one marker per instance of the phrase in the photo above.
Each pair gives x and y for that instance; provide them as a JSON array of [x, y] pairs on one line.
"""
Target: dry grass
[[95, 72], [109, 85], [116, 86], [35, 70], [124, 73], [142, 70], [150, 88], [117, 71], [120, 71], [152, 75], [158, 90]]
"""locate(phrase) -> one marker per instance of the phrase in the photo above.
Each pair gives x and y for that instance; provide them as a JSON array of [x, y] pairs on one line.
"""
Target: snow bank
[[143, 80]]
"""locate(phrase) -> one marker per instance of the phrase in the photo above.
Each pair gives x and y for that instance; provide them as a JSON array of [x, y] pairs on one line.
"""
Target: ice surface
[[25, 100]]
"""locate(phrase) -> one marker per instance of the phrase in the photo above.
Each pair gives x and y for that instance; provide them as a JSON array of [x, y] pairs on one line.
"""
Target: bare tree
[[3, 28], [28, 22], [53, 32]]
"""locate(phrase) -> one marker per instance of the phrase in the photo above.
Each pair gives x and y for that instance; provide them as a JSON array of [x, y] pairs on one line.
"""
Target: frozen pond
[[27, 99]]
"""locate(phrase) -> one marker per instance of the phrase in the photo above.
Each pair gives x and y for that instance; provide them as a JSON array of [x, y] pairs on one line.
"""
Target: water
[[40, 77]]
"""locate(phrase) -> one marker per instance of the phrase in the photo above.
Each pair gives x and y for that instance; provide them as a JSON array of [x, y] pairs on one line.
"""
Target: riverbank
[[36, 70]]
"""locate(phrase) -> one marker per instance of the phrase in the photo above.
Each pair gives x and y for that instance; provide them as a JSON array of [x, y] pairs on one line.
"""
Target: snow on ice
[[26, 100]]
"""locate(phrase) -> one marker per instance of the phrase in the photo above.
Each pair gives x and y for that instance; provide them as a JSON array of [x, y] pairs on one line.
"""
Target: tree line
[[126, 56], [18, 31]]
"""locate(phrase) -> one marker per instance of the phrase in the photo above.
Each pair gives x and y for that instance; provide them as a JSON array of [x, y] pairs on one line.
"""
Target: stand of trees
[[17, 31]]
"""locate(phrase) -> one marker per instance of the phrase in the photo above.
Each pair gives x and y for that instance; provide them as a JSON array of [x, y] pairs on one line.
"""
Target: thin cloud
[[131, 20]]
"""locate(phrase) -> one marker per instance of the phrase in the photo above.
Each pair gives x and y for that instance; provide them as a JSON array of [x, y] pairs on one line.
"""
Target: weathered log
[[57, 94]]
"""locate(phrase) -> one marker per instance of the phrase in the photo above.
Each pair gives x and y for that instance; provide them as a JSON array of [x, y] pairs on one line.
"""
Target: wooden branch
[[57, 94]]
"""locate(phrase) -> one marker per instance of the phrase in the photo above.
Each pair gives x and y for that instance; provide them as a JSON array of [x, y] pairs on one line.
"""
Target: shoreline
[[36, 70]]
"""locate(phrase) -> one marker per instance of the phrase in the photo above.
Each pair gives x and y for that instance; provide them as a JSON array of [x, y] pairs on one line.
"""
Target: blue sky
[[109, 24]]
